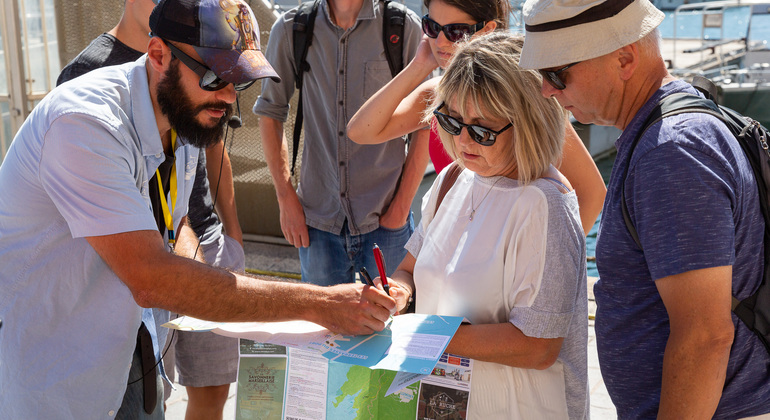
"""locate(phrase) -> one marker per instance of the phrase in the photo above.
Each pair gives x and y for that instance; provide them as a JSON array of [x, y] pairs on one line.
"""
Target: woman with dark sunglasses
[[397, 108], [503, 247]]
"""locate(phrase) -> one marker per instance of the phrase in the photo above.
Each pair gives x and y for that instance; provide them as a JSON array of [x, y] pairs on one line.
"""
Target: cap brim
[[235, 66]]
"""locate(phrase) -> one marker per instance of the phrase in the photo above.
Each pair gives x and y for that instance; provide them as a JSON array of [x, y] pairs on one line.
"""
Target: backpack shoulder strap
[[705, 86], [393, 35], [675, 104], [302, 37], [451, 177]]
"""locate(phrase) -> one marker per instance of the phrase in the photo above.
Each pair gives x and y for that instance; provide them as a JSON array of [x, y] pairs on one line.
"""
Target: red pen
[[380, 260]]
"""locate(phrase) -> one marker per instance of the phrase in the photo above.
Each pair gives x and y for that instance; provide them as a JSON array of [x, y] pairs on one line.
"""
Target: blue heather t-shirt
[[693, 200]]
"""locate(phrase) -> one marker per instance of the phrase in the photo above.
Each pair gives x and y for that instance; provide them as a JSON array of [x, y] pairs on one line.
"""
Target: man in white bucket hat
[[668, 344]]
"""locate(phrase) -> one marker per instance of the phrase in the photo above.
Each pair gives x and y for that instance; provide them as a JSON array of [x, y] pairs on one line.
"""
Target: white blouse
[[520, 260]]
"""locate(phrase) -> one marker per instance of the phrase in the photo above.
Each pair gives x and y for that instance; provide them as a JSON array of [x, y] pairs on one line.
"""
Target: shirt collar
[[142, 111], [367, 10]]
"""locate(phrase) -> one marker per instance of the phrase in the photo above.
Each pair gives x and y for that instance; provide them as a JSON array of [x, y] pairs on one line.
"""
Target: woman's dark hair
[[482, 10]]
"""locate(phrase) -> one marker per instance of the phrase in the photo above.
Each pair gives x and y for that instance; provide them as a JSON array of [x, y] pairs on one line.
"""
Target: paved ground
[[284, 259]]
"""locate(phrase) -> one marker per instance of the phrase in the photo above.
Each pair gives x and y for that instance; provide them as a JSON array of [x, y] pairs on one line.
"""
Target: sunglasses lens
[[553, 79], [211, 82], [455, 33], [481, 135], [244, 86], [449, 124], [429, 27]]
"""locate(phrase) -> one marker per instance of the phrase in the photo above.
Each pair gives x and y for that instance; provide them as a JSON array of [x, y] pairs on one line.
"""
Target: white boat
[[739, 65]]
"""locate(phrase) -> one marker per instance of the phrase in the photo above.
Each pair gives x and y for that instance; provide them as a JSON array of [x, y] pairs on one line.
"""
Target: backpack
[[302, 35], [754, 311]]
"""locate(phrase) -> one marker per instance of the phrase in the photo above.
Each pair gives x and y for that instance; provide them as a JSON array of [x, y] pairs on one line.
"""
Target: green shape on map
[[362, 394]]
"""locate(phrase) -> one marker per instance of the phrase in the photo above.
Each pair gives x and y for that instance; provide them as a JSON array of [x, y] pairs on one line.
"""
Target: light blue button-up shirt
[[80, 166]]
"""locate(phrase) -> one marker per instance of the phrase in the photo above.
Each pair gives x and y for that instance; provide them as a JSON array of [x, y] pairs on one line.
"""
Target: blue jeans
[[335, 259]]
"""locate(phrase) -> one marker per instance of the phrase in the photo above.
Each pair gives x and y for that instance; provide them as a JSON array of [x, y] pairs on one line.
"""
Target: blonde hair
[[484, 75]]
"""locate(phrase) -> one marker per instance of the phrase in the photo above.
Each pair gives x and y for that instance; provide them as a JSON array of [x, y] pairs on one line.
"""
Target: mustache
[[228, 108]]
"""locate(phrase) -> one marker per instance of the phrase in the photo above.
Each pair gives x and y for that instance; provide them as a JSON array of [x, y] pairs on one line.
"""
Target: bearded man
[[81, 250]]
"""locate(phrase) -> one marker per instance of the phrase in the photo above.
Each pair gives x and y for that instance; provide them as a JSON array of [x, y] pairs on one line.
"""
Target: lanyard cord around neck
[[168, 216]]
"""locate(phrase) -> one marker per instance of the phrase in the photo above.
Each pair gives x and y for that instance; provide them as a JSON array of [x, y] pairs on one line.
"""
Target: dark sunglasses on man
[[481, 135], [209, 80], [453, 32], [553, 77]]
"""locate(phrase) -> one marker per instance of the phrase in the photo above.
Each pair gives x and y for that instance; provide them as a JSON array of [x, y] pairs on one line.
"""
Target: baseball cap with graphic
[[223, 32]]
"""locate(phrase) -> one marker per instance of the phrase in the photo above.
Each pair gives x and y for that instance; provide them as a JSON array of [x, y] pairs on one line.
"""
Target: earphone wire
[[213, 204]]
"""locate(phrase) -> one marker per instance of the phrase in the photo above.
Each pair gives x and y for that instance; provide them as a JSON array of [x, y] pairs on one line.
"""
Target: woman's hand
[[424, 56], [401, 294]]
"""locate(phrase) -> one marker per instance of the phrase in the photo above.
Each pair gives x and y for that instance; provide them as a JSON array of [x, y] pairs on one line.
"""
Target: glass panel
[[53, 44], [3, 66], [34, 45], [5, 134]]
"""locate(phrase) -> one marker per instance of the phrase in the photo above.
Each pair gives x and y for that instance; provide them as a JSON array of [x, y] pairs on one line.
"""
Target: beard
[[181, 112]]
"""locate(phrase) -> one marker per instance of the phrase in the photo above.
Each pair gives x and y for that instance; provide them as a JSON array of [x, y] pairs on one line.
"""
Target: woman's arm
[[396, 109], [505, 344], [581, 171]]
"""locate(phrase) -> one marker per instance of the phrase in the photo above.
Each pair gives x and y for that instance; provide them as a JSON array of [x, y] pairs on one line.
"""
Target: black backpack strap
[[393, 35], [705, 86], [302, 37], [675, 104]]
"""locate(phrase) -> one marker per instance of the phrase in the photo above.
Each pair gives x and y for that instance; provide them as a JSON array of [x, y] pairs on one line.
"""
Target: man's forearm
[[414, 170], [276, 154], [187, 243], [159, 279], [220, 174]]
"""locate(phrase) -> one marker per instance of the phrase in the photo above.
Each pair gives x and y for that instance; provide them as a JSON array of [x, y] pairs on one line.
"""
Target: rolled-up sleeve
[[275, 97]]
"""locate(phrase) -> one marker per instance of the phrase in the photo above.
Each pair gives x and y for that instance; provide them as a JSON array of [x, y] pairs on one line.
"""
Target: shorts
[[205, 358]]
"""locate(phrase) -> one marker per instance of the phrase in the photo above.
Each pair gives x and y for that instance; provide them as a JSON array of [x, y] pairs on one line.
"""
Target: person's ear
[[628, 60], [489, 27], [158, 54]]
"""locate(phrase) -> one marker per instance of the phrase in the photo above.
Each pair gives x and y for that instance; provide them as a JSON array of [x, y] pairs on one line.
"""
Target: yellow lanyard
[[168, 216]]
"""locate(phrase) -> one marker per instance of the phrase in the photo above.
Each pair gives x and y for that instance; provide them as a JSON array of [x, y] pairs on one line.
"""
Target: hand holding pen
[[368, 279]]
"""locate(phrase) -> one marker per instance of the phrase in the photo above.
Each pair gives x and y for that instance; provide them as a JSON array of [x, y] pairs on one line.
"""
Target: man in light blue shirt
[[80, 246]]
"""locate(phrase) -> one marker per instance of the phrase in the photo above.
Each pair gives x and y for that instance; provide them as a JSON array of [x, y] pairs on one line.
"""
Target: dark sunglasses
[[453, 32], [209, 80], [481, 135], [553, 77]]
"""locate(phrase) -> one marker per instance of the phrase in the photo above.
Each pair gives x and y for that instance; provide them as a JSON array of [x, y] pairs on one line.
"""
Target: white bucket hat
[[560, 32]]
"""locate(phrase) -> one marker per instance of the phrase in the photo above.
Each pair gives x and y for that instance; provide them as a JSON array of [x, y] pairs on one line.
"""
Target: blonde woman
[[505, 248], [397, 108]]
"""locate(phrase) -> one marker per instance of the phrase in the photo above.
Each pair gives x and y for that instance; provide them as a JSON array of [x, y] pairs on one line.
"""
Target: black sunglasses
[[553, 77], [481, 135], [453, 32], [209, 80]]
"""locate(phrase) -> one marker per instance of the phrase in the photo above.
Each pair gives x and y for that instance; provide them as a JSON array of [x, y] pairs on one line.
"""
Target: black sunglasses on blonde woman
[[481, 135]]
